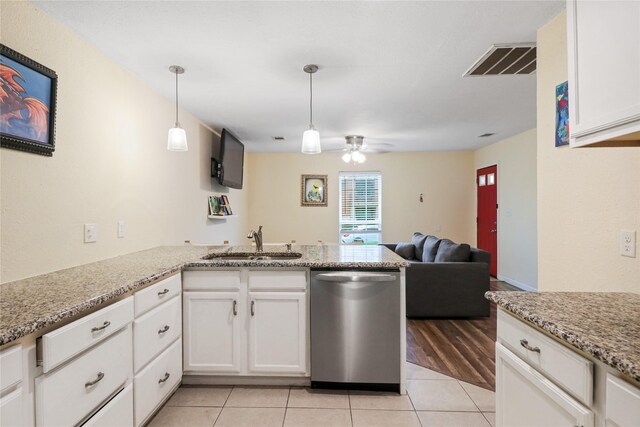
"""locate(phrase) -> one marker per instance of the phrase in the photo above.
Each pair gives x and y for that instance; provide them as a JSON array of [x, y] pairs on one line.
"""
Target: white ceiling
[[391, 71]]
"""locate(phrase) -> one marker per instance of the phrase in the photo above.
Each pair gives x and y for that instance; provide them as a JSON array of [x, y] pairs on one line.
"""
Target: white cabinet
[[623, 403], [277, 332], [525, 398], [11, 384], [157, 346], [212, 331], [247, 322], [604, 70]]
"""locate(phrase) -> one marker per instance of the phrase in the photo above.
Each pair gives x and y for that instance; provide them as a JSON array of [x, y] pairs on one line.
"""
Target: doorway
[[487, 216]]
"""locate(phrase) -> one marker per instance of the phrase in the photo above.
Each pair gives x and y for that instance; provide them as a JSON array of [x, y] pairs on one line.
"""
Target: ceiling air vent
[[501, 59]]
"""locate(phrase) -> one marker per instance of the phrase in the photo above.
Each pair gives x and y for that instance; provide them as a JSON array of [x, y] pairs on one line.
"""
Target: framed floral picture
[[313, 191], [27, 104]]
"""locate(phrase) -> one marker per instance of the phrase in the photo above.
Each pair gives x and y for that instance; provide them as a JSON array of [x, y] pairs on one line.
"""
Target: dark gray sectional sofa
[[445, 280]]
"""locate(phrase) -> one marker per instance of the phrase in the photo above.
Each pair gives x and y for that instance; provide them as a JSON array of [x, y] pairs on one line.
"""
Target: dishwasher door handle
[[355, 277]]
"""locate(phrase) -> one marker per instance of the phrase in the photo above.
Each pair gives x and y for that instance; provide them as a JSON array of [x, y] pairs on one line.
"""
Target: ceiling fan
[[353, 152]]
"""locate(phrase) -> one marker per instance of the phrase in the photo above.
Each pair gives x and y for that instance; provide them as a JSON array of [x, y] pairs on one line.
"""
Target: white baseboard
[[192, 379], [517, 284]]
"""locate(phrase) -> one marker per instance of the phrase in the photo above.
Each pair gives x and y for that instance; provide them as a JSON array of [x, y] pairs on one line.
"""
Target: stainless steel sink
[[252, 256]]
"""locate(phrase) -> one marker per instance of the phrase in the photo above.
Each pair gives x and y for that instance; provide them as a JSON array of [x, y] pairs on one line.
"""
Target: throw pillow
[[453, 252], [430, 249], [406, 250], [418, 241]]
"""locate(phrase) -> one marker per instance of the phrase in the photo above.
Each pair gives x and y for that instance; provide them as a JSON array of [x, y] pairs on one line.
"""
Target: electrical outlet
[[120, 229], [90, 233], [628, 243]]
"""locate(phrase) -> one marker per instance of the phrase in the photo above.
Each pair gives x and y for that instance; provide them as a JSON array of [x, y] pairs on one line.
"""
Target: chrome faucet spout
[[257, 236]]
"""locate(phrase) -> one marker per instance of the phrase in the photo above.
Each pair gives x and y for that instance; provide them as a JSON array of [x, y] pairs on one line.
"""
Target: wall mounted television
[[227, 161]]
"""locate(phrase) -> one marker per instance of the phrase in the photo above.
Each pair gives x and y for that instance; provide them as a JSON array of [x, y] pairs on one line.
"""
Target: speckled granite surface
[[605, 325], [32, 304]]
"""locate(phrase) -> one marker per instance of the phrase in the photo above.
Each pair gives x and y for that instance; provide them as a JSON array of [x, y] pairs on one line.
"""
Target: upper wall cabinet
[[603, 43]]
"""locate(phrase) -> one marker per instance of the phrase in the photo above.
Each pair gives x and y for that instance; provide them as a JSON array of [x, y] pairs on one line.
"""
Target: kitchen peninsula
[[127, 328]]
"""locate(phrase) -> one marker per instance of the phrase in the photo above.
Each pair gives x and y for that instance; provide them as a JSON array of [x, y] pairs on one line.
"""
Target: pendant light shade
[[311, 137], [311, 142], [177, 138]]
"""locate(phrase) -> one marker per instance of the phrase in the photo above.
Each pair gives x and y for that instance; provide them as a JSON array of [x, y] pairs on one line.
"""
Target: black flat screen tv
[[227, 163]]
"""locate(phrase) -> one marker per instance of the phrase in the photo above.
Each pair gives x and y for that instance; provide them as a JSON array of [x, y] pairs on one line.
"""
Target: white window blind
[[360, 207]]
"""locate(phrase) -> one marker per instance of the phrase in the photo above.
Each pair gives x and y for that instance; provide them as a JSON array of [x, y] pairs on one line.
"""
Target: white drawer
[[566, 368], [277, 280], [117, 413], [65, 397], [155, 295], [156, 381], [211, 280], [65, 342], [10, 368], [148, 338], [11, 409], [623, 403]]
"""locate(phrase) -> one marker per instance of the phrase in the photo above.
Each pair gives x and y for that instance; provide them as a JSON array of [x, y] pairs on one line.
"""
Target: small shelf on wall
[[221, 216]]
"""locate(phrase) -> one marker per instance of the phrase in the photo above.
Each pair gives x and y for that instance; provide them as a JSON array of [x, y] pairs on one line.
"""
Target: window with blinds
[[360, 208]]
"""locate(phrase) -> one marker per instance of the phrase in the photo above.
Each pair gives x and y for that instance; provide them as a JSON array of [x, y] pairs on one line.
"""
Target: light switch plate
[[90, 233], [628, 243], [120, 229]]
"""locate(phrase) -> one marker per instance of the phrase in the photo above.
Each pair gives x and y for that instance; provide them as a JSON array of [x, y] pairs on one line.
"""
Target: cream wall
[[446, 180], [110, 163], [517, 222], [585, 195]]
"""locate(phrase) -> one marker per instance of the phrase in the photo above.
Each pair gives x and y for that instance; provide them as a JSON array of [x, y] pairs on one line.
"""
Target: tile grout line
[[223, 406], [474, 402], [415, 411], [286, 407], [350, 409]]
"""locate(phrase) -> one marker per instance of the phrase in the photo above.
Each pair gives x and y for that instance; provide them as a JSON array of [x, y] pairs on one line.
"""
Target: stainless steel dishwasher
[[355, 329]]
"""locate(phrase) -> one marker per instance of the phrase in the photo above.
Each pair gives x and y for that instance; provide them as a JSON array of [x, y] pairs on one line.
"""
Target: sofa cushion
[[406, 250], [418, 241], [430, 248], [449, 251]]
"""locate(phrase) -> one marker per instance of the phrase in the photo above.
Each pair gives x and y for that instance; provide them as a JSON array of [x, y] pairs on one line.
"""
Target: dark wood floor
[[460, 348]]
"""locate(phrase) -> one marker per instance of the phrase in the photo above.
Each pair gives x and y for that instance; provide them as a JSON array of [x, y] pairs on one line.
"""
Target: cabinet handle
[[94, 382], [166, 291], [526, 345], [99, 328], [235, 307], [253, 308], [163, 330], [166, 377]]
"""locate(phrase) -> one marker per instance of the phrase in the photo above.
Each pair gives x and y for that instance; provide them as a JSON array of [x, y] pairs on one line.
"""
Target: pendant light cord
[[176, 98], [310, 100]]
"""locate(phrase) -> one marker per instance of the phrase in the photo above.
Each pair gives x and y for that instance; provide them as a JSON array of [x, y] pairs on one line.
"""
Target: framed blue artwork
[[562, 114], [27, 104]]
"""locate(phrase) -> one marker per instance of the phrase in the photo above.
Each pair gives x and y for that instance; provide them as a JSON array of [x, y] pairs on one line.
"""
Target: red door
[[487, 184]]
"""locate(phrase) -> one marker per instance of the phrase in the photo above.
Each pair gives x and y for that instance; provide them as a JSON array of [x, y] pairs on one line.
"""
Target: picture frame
[[28, 112], [562, 114], [313, 190]]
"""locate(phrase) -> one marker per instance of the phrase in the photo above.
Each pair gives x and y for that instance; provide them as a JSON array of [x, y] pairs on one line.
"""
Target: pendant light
[[177, 140], [311, 137]]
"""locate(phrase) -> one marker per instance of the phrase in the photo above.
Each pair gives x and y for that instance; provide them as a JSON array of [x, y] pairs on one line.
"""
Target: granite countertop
[[29, 305], [605, 325]]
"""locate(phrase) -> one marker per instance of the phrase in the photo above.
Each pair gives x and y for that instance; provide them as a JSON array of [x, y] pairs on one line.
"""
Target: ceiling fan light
[[358, 157], [311, 142], [346, 157], [177, 140]]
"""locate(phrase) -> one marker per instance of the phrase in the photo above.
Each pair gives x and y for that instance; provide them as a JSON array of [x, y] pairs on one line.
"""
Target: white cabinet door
[[277, 332], [525, 398], [623, 403], [604, 65], [212, 331]]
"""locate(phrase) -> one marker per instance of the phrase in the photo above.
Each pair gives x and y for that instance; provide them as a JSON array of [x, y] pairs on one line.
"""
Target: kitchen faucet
[[257, 237]]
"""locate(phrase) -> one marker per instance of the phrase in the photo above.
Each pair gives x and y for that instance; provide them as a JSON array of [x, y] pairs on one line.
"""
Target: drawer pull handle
[[166, 291], [526, 345], [94, 382], [100, 328], [166, 377], [235, 307], [163, 330], [253, 308]]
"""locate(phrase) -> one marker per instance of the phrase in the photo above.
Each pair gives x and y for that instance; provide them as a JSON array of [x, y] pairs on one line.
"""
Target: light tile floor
[[433, 400]]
